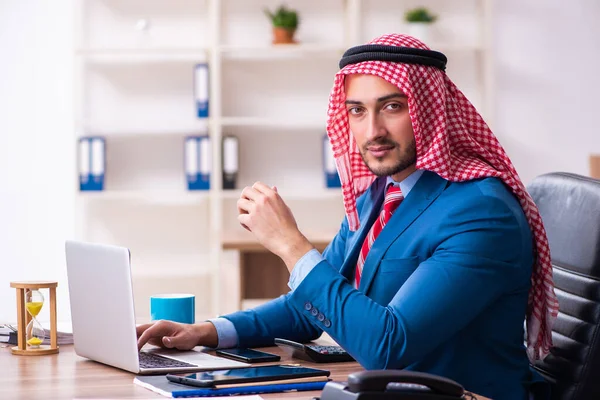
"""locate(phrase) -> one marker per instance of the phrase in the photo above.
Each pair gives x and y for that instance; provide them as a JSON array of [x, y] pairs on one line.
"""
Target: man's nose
[[376, 128]]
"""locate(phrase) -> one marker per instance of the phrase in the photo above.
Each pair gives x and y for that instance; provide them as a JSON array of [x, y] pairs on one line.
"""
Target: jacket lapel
[[368, 214], [425, 191]]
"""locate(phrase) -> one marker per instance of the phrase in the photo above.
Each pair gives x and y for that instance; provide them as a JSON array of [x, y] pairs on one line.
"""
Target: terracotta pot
[[283, 35]]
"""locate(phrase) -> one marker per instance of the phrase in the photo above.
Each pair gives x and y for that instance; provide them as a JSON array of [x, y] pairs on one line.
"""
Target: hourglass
[[31, 334]]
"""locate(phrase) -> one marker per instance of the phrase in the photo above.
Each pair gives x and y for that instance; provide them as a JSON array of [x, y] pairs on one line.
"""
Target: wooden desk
[[66, 376]]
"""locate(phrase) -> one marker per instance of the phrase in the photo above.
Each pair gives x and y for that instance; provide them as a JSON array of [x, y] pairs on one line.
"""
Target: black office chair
[[570, 208]]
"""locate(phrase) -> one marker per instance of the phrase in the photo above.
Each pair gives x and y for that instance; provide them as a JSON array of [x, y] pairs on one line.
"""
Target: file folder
[[230, 161], [201, 89], [197, 162], [92, 163], [332, 179]]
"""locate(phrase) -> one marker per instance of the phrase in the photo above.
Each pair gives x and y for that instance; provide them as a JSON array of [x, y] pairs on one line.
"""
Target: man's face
[[380, 123]]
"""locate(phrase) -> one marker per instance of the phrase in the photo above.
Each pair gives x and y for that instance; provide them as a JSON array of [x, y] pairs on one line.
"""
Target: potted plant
[[285, 21], [419, 21]]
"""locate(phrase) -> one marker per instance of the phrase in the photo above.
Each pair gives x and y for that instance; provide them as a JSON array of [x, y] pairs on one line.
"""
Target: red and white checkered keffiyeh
[[453, 141]]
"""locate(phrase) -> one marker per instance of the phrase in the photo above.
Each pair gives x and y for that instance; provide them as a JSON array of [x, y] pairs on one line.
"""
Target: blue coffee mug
[[173, 307]]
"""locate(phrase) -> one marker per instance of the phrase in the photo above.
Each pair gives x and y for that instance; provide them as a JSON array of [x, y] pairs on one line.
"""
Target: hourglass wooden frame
[[24, 318]]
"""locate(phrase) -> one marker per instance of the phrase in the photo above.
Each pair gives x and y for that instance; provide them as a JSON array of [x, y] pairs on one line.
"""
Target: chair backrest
[[570, 209]]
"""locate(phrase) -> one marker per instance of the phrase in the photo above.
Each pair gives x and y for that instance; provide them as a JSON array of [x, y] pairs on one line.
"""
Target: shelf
[[277, 122], [281, 51], [145, 23], [164, 128], [291, 195], [135, 85], [453, 47], [140, 56], [245, 241], [180, 273], [166, 198]]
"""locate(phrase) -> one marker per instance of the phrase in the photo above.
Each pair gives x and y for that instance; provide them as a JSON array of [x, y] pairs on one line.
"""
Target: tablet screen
[[257, 374]]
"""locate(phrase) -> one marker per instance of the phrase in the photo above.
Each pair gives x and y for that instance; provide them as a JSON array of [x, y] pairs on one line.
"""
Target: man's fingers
[[262, 188], [141, 328], [250, 193], [244, 220], [167, 342], [144, 337], [156, 330], [245, 206]]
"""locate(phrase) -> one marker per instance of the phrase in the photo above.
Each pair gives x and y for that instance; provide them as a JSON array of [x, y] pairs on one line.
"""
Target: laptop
[[103, 317]]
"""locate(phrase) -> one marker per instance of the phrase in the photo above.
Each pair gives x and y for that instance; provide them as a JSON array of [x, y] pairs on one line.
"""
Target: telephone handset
[[394, 384]]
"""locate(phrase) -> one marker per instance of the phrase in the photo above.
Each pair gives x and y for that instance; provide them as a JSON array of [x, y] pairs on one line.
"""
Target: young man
[[442, 253]]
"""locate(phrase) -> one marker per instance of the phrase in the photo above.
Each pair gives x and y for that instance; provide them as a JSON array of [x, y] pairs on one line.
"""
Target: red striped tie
[[393, 198]]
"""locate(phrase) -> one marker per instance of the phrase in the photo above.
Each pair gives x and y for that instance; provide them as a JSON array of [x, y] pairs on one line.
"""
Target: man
[[442, 252]]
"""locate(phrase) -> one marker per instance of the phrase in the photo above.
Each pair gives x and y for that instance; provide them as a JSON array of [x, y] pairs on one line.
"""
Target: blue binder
[[332, 179], [92, 163], [197, 162], [201, 92]]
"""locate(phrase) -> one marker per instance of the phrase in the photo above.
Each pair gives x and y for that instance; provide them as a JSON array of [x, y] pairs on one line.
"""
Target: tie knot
[[393, 198]]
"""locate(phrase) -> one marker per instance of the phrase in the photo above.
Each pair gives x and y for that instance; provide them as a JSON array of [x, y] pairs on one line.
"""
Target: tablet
[[267, 373]]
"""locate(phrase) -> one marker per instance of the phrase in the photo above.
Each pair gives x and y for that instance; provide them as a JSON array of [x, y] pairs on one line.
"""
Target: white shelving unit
[[134, 86]]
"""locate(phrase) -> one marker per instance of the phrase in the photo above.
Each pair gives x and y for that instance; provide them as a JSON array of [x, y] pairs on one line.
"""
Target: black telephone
[[394, 385]]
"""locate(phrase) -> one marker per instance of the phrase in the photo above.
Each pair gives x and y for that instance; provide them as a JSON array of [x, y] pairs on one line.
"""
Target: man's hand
[[264, 213], [176, 335]]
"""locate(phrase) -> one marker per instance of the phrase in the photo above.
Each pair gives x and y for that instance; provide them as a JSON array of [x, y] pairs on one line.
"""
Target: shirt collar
[[408, 183]]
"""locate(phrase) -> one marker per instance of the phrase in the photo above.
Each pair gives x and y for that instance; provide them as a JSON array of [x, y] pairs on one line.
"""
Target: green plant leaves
[[420, 14], [283, 17]]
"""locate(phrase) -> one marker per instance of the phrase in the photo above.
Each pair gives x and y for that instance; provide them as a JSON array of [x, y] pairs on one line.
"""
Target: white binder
[[332, 179], [197, 162], [201, 91], [230, 161], [92, 163]]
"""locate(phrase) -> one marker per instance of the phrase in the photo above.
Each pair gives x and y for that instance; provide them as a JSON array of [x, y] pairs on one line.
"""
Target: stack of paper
[[8, 334]]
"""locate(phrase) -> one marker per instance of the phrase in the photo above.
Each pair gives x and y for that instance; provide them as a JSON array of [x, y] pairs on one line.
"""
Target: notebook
[[160, 385], [103, 318]]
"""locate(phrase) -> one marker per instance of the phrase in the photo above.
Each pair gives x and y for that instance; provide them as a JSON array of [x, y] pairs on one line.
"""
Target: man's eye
[[354, 110], [394, 106]]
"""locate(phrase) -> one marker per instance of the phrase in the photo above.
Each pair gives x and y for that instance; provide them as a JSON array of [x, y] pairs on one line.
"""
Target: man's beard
[[407, 158]]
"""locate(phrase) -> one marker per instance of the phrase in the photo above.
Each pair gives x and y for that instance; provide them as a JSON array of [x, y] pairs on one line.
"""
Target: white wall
[[36, 146], [547, 84]]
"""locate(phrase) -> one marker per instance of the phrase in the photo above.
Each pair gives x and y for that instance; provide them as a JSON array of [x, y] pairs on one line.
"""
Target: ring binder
[[197, 162], [92, 163], [332, 179], [230, 161], [201, 90]]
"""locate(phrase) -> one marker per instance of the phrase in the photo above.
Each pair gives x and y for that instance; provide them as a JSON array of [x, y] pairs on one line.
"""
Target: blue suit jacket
[[444, 288]]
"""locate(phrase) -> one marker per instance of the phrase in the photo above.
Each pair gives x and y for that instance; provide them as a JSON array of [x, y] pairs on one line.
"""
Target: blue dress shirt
[[226, 331]]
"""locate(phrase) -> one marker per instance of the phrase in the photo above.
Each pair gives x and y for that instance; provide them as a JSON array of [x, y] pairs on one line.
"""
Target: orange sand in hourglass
[[34, 308]]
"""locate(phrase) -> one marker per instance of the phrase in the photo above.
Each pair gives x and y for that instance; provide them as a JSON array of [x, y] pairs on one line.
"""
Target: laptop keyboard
[[149, 360]]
